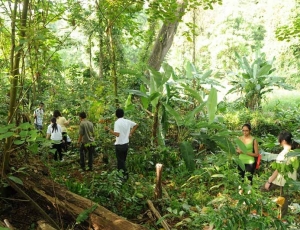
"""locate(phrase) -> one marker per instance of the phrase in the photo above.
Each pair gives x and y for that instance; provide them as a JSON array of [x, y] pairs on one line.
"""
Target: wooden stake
[[158, 186], [8, 224], [157, 214]]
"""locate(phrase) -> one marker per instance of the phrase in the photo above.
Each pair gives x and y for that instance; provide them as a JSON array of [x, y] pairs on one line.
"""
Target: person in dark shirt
[[86, 141]]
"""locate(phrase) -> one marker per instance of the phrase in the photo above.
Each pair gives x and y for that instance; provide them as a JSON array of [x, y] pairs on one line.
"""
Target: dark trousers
[[248, 168], [121, 154], [58, 151], [278, 190], [65, 142], [90, 151]]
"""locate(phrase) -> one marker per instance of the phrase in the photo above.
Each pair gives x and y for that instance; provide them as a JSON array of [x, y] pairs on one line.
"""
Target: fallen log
[[66, 205], [43, 225]]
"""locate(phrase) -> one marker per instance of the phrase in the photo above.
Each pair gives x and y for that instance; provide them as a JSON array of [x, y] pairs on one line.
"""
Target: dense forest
[[190, 73]]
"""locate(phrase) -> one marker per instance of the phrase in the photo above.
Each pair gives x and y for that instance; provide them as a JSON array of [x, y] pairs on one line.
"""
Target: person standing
[[54, 132], [38, 115], [86, 141], [123, 130], [248, 158], [63, 122], [277, 180]]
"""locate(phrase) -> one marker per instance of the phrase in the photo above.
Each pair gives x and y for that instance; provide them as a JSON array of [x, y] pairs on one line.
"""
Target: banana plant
[[157, 91], [255, 80], [161, 90]]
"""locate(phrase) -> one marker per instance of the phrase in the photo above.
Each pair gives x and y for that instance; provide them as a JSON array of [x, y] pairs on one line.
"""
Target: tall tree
[[172, 17], [15, 69], [165, 37]]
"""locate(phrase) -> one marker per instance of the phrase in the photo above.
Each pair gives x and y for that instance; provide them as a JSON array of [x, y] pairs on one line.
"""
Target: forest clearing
[[141, 114]]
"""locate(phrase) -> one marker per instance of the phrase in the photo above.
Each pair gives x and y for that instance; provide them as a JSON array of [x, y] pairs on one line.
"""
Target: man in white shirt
[[38, 115], [123, 130]]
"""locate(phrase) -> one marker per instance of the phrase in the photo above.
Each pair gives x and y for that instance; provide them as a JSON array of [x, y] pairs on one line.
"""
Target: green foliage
[[167, 10], [288, 32], [108, 189], [84, 215], [15, 179], [24, 136], [212, 104], [144, 162], [262, 123], [255, 80], [213, 137], [188, 155]]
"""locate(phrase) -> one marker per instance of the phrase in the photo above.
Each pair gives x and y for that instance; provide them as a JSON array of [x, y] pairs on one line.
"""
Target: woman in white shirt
[[277, 180], [63, 122], [54, 132]]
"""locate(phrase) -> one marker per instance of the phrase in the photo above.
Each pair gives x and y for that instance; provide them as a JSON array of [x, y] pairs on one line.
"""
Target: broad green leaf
[[175, 115], [293, 154], [224, 143], [16, 180], [212, 104], [168, 91], [255, 67], [193, 93], [239, 163], [25, 125], [190, 70], [128, 103], [167, 70], [188, 155], [191, 115], [206, 74], [153, 96], [6, 135], [3, 129], [130, 72], [138, 93], [247, 67], [241, 145], [158, 79], [144, 100], [264, 70], [23, 133], [19, 142]]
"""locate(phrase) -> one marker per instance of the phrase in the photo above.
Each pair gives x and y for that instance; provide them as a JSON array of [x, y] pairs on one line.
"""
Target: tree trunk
[[101, 48], [67, 205], [113, 61], [165, 39], [161, 47], [15, 72], [90, 54], [101, 57]]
